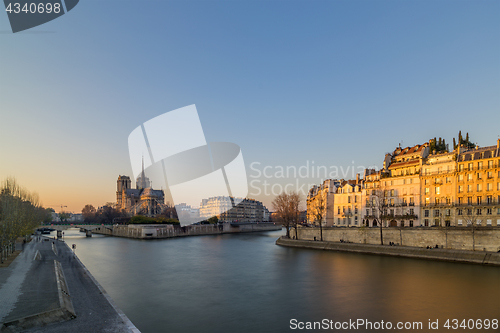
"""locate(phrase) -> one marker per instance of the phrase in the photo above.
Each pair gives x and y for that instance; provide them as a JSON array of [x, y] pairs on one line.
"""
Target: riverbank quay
[[459, 256], [46, 288], [480, 238], [163, 231]]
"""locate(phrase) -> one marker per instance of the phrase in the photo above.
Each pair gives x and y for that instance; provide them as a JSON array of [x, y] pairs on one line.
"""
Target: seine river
[[246, 283]]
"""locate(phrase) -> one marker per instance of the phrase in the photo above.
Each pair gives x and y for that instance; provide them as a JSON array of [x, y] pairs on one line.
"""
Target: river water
[[246, 283]]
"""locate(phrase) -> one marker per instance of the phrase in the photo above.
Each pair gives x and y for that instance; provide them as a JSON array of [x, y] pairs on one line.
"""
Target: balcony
[[406, 217]]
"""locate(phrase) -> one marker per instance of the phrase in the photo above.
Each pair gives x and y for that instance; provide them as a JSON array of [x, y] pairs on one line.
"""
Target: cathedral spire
[[143, 176]]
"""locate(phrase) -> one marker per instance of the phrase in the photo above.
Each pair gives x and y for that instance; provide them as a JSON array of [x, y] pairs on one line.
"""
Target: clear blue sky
[[289, 81]]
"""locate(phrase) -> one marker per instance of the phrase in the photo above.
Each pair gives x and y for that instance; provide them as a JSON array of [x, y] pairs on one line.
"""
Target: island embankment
[[161, 231], [451, 255]]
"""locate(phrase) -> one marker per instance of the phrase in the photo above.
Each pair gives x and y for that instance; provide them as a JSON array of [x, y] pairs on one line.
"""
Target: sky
[[294, 83]]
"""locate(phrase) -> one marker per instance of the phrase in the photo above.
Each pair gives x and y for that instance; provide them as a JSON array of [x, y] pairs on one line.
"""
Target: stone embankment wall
[[462, 256], [158, 231], [484, 238]]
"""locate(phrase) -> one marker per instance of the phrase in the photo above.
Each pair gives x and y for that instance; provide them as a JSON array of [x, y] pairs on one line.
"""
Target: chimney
[[498, 143], [357, 178]]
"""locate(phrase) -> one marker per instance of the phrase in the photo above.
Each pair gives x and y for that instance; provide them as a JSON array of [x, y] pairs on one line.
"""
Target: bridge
[[87, 228]]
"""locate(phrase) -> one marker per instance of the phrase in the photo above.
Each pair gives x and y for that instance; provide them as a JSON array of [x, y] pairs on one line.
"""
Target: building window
[[426, 182], [461, 167], [339, 210], [479, 200], [412, 212], [479, 175], [460, 178], [436, 212], [489, 187], [470, 166], [348, 199], [427, 190], [479, 211], [469, 177], [367, 212], [426, 213], [490, 174], [460, 200], [438, 190], [479, 165], [469, 188], [427, 201], [479, 187], [460, 212], [426, 222], [490, 164], [489, 211], [469, 211]]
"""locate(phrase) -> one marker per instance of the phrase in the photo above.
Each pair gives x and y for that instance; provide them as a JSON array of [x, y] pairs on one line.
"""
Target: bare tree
[[294, 201], [89, 213], [286, 207], [378, 201], [471, 219], [318, 209]]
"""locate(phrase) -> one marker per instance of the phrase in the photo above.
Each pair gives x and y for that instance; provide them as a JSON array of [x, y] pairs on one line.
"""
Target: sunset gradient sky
[[339, 83]]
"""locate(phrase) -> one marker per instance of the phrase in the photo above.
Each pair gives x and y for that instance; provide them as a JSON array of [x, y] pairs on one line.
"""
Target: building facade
[[235, 210], [416, 187]]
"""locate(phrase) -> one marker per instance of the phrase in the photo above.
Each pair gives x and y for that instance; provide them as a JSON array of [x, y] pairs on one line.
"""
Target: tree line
[[109, 214], [20, 213]]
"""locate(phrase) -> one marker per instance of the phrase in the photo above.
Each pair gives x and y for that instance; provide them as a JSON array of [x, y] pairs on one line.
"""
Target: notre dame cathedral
[[140, 200]]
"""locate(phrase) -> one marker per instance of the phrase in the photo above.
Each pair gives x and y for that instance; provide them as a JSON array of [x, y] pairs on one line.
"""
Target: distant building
[[187, 213], [247, 210]]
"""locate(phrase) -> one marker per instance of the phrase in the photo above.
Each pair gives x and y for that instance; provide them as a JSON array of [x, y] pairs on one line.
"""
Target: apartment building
[[478, 186], [439, 189], [321, 197], [239, 210], [348, 204]]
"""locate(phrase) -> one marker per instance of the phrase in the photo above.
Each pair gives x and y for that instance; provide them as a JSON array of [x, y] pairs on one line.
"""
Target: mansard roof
[[475, 154], [398, 152]]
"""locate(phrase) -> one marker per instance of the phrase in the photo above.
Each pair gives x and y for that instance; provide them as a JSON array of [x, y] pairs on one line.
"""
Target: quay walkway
[[46, 288]]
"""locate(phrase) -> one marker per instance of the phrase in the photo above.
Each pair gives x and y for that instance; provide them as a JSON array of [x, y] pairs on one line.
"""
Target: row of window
[[479, 200], [373, 212], [479, 188], [477, 211], [347, 221], [480, 165]]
